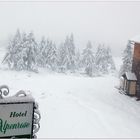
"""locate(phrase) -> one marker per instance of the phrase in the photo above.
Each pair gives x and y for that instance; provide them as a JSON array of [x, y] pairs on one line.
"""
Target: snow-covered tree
[[71, 52], [78, 60], [29, 52], [22, 52], [127, 59], [62, 58], [67, 55], [100, 59], [14, 47], [51, 57], [88, 60], [104, 60], [42, 53], [110, 61]]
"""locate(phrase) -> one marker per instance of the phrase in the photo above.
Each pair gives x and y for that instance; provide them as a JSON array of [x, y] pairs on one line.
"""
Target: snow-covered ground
[[74, 106], [77, 106]]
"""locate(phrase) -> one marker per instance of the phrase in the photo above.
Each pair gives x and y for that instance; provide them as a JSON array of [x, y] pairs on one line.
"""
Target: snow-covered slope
[[78, 107]]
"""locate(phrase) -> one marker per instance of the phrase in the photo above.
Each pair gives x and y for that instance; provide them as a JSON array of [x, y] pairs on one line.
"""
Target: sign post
[[19, 115]]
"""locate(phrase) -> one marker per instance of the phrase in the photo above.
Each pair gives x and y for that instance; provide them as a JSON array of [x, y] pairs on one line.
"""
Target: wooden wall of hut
[[132, 88], [136, 61], [136, 66]]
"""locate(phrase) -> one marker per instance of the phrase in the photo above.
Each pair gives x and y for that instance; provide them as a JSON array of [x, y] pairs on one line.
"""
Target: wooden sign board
[[16, 117]]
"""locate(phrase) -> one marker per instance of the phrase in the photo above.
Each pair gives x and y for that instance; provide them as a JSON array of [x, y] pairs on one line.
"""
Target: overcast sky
[[112, 23]]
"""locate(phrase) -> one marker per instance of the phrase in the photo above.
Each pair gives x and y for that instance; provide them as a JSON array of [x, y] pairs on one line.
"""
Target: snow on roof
[[131, 76], [13, 99], [136, 39]]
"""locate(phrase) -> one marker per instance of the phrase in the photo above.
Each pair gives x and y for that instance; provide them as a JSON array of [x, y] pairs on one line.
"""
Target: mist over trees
[[25, 53]]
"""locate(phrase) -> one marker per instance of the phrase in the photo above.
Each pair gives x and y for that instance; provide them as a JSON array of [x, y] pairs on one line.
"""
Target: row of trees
[[24, 53]]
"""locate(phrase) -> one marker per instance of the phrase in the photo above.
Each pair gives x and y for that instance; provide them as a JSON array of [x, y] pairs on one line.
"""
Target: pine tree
[[110, 61], [70, 52], [22, 52], [88, 60], [41, 57], [101, 59], [104, 60], [51, 57], [29, 52], [67, 55], [127, 59], [78, 60], [12, 57], [62, 58]]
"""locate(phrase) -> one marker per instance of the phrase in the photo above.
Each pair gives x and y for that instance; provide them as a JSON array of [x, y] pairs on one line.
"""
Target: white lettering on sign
[[16, 119]]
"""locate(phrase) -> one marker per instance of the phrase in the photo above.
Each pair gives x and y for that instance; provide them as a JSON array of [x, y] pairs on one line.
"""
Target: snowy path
[[78, 107]]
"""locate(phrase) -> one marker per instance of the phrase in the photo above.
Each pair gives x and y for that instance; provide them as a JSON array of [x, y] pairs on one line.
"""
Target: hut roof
[[131, 76], [136, 39]]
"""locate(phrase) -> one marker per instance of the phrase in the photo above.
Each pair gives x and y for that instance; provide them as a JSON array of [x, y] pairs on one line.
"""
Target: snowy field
[[78, 107]]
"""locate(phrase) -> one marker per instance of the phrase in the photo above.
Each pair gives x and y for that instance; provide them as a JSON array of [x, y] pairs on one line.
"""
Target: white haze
[[112, 23]]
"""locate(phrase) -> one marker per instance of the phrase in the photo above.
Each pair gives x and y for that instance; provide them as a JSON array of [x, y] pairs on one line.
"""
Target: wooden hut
[[135, 41], [128, 83]]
